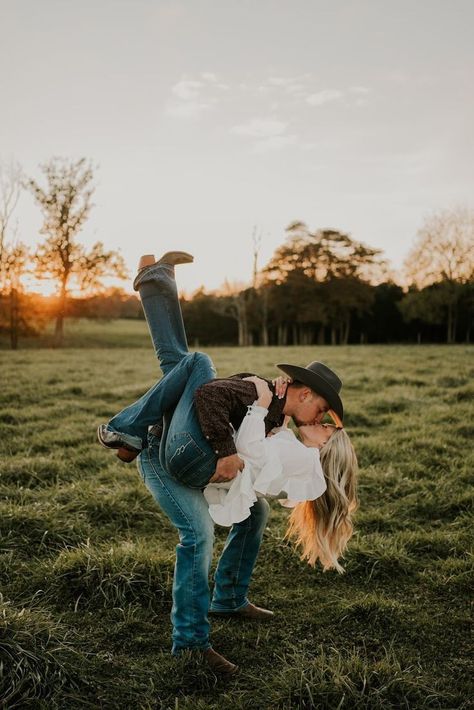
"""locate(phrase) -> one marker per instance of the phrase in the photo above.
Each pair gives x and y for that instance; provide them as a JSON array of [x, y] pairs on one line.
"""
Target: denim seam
[[175, 503], [192, 528], [244, 539]]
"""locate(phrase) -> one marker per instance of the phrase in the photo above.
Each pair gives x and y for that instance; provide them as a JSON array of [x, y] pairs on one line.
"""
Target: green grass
[[86, 556], [89, 333]]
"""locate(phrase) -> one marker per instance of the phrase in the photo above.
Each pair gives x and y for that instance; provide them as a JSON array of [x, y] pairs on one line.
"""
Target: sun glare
[[44, 287]]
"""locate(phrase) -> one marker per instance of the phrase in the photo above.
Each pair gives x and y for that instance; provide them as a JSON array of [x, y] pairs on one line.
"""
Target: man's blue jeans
[[191, 458]]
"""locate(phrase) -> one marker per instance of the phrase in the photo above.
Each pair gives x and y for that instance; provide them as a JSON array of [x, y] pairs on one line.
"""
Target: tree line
[[320, 286]]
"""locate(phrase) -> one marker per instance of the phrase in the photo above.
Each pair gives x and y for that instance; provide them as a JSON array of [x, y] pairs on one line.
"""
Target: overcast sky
[[207, 117]]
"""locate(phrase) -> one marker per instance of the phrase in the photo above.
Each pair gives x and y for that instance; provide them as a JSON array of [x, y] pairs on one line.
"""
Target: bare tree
[[259, 286], [10, 188], [66, 203], [443, 254], [13, 254]]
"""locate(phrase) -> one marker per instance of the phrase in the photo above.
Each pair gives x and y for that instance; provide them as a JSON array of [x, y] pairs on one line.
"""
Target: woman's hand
[[281, 383], [264, 392]]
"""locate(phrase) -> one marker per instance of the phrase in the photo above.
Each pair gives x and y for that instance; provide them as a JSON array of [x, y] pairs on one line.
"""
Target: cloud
[[260, 128], [209, 76], [192, 97], [187, 90], [324, 97], [279, 81], [287, 84], [187, 109], [273, 143], [361, 90], [269, 134]]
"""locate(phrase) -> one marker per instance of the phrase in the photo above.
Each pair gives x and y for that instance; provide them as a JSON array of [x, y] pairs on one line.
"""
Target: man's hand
[[227, 468]]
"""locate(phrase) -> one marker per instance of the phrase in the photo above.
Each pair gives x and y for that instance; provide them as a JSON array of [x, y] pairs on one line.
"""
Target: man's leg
[[187, 510], [238, 558]]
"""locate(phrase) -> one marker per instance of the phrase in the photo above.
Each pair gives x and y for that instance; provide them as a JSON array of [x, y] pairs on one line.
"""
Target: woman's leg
[[192, 371], [185, 452], [160, 302]]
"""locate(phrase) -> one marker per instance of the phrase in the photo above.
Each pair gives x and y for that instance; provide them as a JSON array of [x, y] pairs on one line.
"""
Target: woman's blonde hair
[[323, 527]]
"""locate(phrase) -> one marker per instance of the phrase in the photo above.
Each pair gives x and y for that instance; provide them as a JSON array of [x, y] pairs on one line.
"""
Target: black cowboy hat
[[322, 380]]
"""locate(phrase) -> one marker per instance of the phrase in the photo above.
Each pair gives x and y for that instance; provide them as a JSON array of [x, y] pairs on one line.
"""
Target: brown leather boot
[[250, 612], [171, 258], [126, 455], [218, 664], [176, 257]]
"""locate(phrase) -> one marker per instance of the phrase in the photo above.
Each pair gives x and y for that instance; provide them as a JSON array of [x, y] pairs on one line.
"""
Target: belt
[[156, 430]]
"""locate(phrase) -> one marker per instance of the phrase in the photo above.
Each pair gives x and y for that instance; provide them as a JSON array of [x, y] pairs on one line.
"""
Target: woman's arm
[[264, 393], [250, 440]]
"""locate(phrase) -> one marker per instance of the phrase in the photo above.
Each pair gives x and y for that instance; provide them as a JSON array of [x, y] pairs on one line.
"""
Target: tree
[[233, 302], [384, 322], [206, 322], [343, 268], [443, 254], [324, 254], [66, 205], [344, 297], [260, 291], [13, 254]]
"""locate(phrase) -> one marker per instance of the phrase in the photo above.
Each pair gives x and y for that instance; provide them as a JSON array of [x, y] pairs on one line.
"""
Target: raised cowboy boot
[[170, 257]]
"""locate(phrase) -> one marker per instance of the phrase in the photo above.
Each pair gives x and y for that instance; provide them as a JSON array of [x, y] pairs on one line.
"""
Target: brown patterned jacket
[[224, 402]]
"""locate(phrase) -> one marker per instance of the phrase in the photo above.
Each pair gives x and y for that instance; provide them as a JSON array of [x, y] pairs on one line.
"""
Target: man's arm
[[217, 403]]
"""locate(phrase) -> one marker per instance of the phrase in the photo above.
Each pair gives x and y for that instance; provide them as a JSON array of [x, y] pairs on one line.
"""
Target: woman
[[316, 476]]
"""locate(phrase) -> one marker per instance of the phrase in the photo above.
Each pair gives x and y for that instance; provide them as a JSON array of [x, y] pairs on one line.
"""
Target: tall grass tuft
[[37, 658], [103, 576]]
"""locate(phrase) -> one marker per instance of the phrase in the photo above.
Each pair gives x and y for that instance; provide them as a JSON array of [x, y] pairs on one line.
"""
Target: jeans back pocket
[[182, 453]]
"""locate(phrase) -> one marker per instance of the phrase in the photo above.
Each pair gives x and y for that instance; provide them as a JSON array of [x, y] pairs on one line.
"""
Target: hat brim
[[318, 384]]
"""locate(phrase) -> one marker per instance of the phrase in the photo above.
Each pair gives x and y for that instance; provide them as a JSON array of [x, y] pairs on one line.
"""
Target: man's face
[[310, 408]]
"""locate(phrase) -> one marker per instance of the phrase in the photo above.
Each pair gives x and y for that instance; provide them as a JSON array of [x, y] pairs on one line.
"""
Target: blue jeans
[[184, 451], [183, 454]]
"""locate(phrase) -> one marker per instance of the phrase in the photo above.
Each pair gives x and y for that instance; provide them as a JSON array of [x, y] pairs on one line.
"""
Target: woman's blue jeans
[[183, 454]]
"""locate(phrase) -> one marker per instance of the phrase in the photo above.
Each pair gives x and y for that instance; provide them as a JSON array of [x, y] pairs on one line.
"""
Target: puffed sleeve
[[250, 439], [292, 470]]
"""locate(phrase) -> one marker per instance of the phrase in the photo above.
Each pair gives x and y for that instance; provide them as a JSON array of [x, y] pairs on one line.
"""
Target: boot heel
[[126, 455]]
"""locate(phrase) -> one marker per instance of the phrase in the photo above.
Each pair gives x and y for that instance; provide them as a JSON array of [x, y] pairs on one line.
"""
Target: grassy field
[[87, 556]]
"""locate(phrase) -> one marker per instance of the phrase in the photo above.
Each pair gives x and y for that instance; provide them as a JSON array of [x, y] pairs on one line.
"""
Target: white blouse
[[278, 466]]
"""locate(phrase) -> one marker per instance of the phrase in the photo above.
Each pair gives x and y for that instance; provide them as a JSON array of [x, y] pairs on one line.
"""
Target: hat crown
[[319, 368], [321, 379]]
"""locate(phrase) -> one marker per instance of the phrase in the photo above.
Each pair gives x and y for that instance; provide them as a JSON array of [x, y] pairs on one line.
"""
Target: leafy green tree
[[442, 256], [66, 202], [207, 322], [324, 254], [433, 304], [340, 270], [383, 323], [344, 297]]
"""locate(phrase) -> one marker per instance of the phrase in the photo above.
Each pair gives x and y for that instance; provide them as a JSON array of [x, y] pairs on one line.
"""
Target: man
[[313, 393], [205, 417]]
